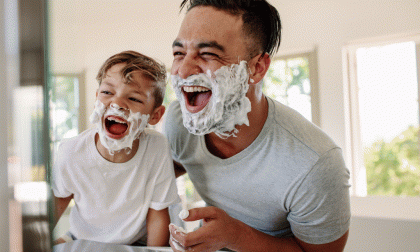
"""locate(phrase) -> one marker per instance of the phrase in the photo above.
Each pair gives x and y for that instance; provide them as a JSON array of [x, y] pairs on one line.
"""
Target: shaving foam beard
[[228, 105], [136, 123]]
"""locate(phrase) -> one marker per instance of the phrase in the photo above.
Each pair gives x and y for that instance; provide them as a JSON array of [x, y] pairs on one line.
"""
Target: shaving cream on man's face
[[117, 131], [214, 102]]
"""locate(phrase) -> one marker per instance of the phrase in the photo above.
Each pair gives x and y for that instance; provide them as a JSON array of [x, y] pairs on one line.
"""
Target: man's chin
[[194, 109]]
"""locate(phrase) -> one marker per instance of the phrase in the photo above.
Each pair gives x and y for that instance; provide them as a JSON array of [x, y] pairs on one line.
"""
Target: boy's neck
[[118, 157]]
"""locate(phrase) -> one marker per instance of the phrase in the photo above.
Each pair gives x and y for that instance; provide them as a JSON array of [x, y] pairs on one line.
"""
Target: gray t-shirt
[[291, 180]]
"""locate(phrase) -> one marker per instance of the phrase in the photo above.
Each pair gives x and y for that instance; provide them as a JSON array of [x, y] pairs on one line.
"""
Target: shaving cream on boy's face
[[117, 130], [214, 102]]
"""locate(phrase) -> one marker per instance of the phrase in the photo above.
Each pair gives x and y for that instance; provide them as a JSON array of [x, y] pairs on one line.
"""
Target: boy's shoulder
[[154, 134], [75, 143], [154, 137]]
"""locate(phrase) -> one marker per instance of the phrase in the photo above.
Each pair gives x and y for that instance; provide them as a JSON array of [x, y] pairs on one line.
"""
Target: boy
[[119, 174]]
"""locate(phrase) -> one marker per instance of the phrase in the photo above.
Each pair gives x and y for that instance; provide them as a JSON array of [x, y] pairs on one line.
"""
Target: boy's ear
[[157, 115]]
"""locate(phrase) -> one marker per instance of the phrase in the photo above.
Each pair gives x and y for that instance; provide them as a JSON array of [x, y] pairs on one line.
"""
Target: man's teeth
[[195, 89]]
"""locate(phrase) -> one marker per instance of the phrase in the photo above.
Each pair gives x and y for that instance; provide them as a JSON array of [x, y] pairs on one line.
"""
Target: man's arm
[[157, 222], [219, 230]]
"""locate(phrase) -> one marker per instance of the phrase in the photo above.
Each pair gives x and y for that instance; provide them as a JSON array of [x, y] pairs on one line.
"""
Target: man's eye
[[177, 53], [209, 55]]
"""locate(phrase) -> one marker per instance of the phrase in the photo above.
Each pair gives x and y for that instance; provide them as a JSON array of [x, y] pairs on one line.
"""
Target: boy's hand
[[219, 230]]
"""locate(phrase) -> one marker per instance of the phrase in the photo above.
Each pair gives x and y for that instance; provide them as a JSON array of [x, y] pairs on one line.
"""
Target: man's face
[[136, 96], [208, 39]]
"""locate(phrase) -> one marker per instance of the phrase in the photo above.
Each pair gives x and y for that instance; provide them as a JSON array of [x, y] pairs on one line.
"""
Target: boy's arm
[[179, 169], [157, 222], [60, 206]]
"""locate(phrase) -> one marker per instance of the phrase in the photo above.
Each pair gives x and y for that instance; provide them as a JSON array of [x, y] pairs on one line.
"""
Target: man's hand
[[219, 230]]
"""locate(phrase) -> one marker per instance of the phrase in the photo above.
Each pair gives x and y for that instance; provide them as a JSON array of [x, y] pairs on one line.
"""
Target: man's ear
[[157, 115], [258, 67]]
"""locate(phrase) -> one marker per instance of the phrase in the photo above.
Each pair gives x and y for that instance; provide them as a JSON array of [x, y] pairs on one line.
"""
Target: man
[[272, 180]]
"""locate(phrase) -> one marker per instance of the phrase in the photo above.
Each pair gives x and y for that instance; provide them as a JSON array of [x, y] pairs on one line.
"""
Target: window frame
[[361, 204], [311, 55]]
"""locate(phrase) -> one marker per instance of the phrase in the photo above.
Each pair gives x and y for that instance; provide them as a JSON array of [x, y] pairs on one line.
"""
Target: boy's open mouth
[[115, 127], [196, 97]]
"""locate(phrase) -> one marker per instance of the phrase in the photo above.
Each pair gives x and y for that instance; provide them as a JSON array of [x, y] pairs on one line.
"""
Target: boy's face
[[135, 96]]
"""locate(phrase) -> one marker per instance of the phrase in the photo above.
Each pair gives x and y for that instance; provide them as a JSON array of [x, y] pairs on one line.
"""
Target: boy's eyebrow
[[211, 44], [140, 92]]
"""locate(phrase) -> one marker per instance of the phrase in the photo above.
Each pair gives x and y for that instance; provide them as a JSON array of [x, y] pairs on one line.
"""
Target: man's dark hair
[[261, 21]]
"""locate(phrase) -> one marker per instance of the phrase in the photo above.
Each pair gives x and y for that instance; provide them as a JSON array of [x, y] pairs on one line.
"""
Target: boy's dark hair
[[137, 62], [261, 21]]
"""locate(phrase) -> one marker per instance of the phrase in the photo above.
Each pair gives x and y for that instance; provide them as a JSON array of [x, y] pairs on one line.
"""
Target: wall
[[4, 197], [84, 33], [385, 235]]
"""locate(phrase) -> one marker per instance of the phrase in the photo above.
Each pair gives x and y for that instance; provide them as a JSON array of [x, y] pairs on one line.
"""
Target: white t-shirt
[[291, 180], [112, 199]]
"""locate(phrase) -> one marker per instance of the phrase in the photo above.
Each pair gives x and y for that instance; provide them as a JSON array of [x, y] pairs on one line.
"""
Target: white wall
[[85, 32]]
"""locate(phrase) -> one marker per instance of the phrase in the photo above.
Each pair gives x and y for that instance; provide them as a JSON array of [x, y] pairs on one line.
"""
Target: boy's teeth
[[195, 89], [116, 120]]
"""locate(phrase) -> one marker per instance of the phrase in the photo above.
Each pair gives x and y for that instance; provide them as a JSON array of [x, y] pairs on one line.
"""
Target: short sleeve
[[174, 129], [320, 210], [60, 174], [165, 191]]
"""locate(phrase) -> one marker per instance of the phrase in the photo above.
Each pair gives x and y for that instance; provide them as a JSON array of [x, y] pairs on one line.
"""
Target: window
[[292, 80], [65, 122], [382, 120], [64, 107]]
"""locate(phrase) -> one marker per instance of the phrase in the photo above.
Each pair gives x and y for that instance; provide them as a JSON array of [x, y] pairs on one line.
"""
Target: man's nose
[[189, 66]]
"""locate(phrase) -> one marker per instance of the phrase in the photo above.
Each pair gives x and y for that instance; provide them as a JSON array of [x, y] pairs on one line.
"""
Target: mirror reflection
[[349, 68]]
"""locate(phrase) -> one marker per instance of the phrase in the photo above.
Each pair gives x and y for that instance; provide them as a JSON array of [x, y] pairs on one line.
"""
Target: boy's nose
[[116, 106]]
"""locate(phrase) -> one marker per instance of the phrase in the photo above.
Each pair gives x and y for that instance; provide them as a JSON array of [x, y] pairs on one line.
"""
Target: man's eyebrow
[[177, 43], [213, 44]]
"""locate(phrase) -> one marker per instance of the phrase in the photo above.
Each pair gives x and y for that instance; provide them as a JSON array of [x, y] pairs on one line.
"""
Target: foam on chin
[[228, 105], [137, 123]]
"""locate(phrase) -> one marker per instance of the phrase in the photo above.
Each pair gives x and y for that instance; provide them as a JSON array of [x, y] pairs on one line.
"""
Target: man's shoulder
[[173, 125], [293, 125]]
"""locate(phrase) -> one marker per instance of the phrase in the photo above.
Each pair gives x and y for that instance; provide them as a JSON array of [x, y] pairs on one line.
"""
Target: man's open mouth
[[116, 127], [196, 97]]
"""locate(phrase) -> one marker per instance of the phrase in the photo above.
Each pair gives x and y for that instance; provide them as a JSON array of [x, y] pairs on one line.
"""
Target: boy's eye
[[105, 92], [135, 100]]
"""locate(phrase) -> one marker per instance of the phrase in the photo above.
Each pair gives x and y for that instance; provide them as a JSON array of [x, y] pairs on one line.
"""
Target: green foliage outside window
[[287, 81], [285, 74], [169, 93], [394, 168]]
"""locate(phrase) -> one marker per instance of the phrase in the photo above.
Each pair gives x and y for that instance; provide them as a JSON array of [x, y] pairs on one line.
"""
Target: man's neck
[[118, 156], [226, 148]]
